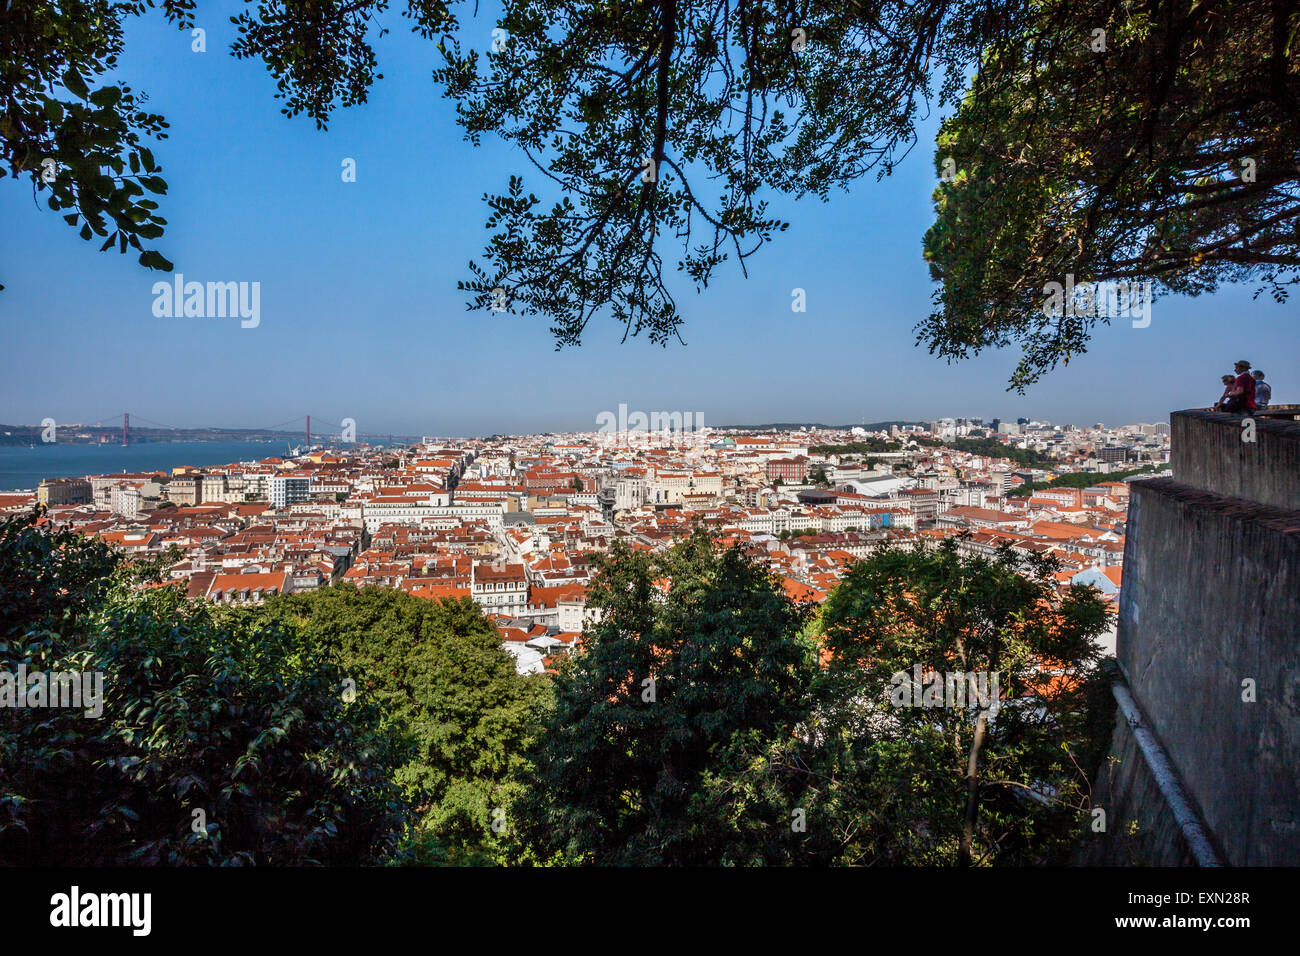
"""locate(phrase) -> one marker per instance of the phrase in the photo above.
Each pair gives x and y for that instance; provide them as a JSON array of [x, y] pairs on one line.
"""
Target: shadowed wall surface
[[1209, 619]]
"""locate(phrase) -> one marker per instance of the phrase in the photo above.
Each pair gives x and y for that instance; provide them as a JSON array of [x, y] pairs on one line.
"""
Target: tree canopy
[[437, 670], [914, 772], [705, 719], [1115, 141], [1104, 140], [992, 448], [696, 664], [696, 727], [83, 150], [218, 741]]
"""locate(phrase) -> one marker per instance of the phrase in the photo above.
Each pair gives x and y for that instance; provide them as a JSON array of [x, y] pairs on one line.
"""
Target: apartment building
[[500, 589], [289, 489], [64, 491], [789, 470]]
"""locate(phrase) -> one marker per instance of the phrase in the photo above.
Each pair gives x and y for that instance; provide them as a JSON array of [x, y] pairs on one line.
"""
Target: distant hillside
[[80, 434]]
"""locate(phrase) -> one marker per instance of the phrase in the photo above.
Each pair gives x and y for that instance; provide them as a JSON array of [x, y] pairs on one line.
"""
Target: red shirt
[[1247, 385]]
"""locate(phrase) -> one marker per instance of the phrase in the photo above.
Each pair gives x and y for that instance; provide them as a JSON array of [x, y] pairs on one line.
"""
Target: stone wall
[[1208, 453], [1140, 827], [1209, 618]]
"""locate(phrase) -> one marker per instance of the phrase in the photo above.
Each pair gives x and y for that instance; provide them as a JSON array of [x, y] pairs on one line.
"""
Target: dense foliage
[[437, 669], [695, 667], [706, 719], [992, 448], [831, 772], [856, 447], [219, 741], [1147, 142], [1080, 479], [938, 783]]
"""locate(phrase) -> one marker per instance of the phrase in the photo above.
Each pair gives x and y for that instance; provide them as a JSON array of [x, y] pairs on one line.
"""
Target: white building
[[289, 489]]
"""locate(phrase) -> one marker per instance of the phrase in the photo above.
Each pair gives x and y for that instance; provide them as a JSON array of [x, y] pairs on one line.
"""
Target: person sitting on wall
[[1263, 390], [1228, 381], [1241, 398]]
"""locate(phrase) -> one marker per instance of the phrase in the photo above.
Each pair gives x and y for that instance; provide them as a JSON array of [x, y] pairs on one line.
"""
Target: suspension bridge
[[328, 432]]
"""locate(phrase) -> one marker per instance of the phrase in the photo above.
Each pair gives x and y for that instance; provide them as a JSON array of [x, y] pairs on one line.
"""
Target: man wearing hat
[[1241, 398]]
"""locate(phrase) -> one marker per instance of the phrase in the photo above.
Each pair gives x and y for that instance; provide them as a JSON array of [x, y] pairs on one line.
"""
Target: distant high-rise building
[[289, 489]]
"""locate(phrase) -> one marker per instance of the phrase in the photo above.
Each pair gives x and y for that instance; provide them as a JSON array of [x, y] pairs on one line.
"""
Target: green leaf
[[106, 96], [152, 259], [75, 84]]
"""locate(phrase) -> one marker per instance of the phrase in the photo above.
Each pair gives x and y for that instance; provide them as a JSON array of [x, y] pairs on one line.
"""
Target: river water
[[22, 467]]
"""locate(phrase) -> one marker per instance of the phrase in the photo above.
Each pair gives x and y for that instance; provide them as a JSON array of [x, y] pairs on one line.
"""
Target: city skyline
[[326, 433], [624, 432]]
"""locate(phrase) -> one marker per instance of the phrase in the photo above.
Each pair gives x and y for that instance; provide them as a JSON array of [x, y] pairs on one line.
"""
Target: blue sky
[[360, 316]]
